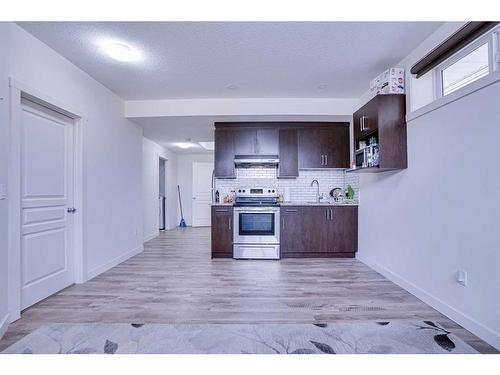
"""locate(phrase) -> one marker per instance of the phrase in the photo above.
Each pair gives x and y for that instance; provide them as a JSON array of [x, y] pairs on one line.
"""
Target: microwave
[[367, 156]]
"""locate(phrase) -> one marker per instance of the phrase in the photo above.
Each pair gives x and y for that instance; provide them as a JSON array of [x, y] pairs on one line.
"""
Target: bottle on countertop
[[217, 196]]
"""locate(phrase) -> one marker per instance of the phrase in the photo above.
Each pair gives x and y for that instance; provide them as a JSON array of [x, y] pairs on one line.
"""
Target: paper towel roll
[[286, 194]]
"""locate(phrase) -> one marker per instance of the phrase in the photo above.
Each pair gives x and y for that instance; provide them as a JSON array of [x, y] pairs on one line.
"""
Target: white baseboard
[[479, 329], [114, 262], [151, 236], [4, 324]]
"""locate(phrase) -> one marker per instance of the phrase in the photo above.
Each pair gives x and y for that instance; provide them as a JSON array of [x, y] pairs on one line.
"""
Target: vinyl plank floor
[[175, 281]]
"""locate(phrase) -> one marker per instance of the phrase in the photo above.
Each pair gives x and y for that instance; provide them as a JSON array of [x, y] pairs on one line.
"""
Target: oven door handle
[[257, 209]]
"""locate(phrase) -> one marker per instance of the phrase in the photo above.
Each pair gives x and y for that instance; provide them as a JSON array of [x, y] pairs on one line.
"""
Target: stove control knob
[[239, 190], [269, 191]]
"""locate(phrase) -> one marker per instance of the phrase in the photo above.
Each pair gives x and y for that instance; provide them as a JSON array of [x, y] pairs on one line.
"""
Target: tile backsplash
[[300, 187]]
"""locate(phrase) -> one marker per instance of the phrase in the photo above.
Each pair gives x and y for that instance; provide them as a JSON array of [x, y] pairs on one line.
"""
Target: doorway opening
[[162, 193]]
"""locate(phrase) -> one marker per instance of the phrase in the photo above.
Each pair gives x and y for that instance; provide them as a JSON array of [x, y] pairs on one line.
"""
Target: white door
[[202, 193], [46, 195]]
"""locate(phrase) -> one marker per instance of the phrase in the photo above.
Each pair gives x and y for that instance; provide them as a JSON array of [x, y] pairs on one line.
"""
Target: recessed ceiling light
[[184, 145], [210, 146], [322, 86], [121, 51], [232, 87]]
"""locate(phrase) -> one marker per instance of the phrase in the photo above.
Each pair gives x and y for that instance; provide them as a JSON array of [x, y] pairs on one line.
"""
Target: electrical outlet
[[462, 277], [3, 191]]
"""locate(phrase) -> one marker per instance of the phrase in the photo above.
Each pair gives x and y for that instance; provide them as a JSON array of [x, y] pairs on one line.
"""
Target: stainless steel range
[[256, 224]]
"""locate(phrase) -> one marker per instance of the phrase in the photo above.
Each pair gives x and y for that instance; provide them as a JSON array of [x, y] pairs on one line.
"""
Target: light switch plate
[[3, 191], [462, 277]]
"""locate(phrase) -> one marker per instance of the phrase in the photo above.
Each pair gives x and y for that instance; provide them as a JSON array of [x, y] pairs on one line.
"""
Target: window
[[466, 70], [473, 62]]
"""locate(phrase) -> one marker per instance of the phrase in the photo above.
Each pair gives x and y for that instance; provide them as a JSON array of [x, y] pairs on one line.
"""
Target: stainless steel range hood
[[251, 161]]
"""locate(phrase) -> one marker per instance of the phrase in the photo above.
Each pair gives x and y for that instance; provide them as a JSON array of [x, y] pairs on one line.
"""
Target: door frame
[[165, 160], [20, 91], [192, 186]]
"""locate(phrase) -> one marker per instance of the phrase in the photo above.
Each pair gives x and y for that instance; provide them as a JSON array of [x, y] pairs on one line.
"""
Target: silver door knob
[[71, 210]]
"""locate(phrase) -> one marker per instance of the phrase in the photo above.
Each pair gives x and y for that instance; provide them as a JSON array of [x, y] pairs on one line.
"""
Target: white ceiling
[[262, 59], [169, 130]]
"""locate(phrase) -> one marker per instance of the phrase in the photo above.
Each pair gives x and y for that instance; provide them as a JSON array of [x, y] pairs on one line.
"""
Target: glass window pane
[[466, 70]]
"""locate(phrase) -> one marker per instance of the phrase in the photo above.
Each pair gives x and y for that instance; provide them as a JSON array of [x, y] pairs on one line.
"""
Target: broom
[[182, 224]]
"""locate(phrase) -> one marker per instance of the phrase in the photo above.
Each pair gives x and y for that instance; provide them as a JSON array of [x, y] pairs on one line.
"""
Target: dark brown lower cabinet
[[343, 229], [222, 232], [319, 231]]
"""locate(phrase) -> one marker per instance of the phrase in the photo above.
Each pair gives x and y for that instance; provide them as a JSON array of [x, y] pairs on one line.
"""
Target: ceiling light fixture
[[121, 51], [210, 146], [184, 145], [232, 87], [322, 86]]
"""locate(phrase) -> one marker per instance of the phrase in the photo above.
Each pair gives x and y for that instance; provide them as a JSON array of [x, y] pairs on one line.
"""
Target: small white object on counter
[[286, 194]]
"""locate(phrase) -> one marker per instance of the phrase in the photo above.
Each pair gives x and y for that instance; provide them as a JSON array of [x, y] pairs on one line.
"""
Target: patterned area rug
[[332, 338]]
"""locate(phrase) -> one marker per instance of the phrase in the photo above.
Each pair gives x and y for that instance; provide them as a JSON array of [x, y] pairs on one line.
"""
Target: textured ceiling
[[201, 59]]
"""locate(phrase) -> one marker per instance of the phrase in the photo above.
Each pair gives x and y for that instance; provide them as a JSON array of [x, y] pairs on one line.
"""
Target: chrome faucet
[[318, 196]]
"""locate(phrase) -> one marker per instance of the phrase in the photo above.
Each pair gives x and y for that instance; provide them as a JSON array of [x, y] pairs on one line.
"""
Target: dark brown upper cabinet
[[224, 153], [298, 145], [383, 117], [324, 146], [288, 153], [365, 120], [248, 141], [245, 141], [267, 141], [335, 143]]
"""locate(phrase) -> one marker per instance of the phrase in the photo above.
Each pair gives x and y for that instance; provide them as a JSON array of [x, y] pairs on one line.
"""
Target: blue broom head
[[182, 224]]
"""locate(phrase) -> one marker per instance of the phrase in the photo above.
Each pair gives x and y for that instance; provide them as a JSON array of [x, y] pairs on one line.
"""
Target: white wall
[[240, 107], [4, 135], [185, 181], [151, 153], [420, 225], [112, 148]]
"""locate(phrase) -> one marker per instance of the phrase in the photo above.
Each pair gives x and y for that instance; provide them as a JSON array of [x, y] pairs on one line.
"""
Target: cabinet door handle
[[283, 223], [229, 223], [326, 159], [326, 214], [361, 123], [290, 210], [331, 214], [220, 210], [321, 159]]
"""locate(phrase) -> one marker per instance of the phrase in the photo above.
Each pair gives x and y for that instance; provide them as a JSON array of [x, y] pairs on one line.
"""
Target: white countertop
[[317, 204], [299, 204]]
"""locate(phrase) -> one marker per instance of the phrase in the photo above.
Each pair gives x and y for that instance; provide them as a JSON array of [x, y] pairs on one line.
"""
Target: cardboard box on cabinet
[[392, 81]]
